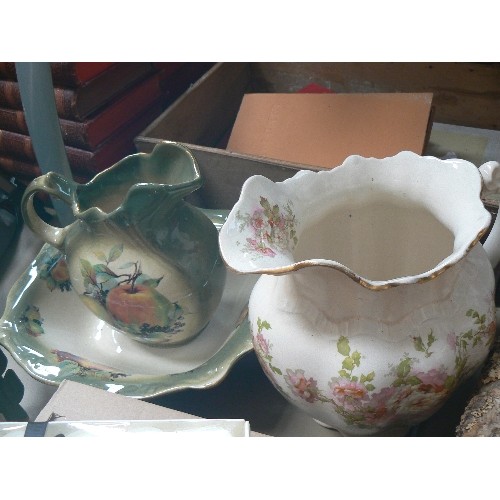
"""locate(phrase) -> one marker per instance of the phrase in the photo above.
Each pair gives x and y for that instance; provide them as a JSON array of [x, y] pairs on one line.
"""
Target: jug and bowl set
[[375, 297]]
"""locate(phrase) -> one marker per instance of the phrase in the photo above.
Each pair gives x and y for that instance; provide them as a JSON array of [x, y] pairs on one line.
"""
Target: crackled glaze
[[376, 299]]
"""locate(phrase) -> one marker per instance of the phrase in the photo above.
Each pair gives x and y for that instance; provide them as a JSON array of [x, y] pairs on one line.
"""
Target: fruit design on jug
[[54, 271], [31, 321], [124, 296]]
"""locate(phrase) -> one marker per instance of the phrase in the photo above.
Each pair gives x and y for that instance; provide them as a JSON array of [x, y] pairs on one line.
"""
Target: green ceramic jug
[[138, 255]]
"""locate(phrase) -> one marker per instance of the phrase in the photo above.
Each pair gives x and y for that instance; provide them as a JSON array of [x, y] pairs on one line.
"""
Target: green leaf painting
[[125, 296], [364, 399]]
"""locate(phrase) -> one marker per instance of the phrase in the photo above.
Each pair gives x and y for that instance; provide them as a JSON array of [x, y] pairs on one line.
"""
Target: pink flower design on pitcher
[[272, 228], [261, 344], [432, 380], [257, 220], [344, 390], [257, 246], [451, 338], [306, 389]]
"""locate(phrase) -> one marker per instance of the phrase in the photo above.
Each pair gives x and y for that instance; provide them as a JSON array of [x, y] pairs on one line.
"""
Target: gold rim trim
[[355, 277]]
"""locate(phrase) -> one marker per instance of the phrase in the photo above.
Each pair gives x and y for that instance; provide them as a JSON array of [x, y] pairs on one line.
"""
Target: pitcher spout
[[139, 183], [383, 223]]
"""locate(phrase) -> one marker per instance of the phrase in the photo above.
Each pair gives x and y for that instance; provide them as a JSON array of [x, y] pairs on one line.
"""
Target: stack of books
[[101, 107]]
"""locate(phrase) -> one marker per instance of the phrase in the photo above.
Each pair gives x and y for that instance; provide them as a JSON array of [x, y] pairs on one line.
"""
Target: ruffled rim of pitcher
[[365, 282], [134, 160], [442, 266]]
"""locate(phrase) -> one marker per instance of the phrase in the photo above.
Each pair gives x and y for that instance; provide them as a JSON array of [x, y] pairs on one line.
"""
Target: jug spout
[[368, 218], [490, 173]]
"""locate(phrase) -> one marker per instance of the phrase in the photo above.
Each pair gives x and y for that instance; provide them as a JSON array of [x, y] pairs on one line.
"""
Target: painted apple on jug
[[138, 255]]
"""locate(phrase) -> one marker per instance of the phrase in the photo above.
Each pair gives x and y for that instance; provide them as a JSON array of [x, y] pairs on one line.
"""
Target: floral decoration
[[273, 229], [54, 271], [355, 395], [31, 322]]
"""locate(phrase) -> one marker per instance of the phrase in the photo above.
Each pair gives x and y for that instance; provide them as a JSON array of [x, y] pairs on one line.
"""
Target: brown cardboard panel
[[464, 94], [323, 129], [74, 401]]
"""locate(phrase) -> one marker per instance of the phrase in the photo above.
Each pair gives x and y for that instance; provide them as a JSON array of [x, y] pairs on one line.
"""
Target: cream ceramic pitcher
[[376, 298], [138, 256]]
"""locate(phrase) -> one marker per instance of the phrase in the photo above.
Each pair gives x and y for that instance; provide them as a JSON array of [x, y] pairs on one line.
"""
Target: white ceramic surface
[[376, 299], [387, 192], [53, 336], [155, 429]]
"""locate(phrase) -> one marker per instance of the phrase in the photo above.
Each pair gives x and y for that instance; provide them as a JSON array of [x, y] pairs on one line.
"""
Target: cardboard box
[[322, 130], [464, 94], [76, 402]]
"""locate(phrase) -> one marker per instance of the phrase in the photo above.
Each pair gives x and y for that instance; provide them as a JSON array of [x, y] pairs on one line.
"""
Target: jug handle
[[490, 173], [54, 185]]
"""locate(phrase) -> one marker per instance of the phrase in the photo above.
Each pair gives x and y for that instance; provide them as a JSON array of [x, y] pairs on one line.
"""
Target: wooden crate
[[201, 119], [466, 94]]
